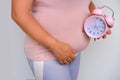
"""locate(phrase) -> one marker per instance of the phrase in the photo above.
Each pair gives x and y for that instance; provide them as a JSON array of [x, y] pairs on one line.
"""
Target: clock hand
[[97, 22], [97, 28]]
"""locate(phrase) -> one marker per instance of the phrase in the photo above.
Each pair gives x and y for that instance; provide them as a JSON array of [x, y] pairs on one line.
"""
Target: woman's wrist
[[50, 43]]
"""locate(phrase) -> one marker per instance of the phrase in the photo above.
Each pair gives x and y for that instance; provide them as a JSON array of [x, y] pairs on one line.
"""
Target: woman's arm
[[20, 14]]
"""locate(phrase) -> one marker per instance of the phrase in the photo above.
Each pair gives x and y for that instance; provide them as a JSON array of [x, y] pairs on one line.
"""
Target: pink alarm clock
[[96, 25]]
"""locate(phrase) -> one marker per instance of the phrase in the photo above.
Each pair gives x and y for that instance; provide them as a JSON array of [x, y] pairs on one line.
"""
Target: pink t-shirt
[[63, 19]]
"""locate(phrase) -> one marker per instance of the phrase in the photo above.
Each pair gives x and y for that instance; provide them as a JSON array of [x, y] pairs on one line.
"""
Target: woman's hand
[[107, 33], [63, 52], [21, 15], [104, 36]]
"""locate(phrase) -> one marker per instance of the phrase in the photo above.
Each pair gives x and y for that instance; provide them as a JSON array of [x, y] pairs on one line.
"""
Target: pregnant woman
[[54, 35]]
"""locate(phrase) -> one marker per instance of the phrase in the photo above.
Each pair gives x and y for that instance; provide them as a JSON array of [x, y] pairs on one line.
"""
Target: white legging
[[53, 70]]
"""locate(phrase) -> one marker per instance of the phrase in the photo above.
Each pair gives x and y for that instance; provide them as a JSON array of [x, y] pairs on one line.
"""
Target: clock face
[[95, 26]]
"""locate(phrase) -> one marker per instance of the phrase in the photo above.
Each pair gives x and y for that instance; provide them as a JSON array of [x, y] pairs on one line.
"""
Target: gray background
[[100, 61]]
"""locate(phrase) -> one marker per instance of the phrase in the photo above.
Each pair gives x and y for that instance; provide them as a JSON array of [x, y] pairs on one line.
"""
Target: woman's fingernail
[[104, 37]]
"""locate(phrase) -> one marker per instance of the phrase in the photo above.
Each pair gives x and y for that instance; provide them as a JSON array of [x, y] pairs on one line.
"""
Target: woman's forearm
[[30, 26]]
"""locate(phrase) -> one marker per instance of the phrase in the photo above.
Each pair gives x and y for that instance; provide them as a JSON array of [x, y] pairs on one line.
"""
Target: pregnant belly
[[67, 27], [77, 39]]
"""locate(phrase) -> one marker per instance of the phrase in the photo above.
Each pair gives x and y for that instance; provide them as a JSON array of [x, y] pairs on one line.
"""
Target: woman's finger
[[72, 57], [108, 32], [104, 36], [69, 59], [95, 39], [110, 26], [65, 62], [61, 62], [98, 38]]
